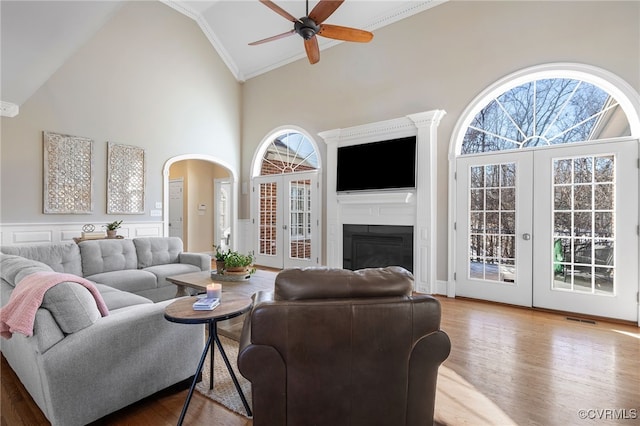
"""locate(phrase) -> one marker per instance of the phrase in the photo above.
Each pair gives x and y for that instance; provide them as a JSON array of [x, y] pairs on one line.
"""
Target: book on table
[[206, 304]]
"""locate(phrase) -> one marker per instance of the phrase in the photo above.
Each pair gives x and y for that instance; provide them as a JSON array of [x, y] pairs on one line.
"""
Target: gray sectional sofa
[[80, 366]]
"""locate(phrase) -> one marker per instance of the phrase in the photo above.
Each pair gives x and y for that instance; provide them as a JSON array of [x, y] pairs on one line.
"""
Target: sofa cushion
[[157, 250], [133, 280], [72, 306], [14, 268], [60, 257], [116, 299], [100, 256], [335, 283], [163, 271]]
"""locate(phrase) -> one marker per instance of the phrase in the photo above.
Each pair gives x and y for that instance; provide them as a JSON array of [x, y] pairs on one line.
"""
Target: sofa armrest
[[126, 356], [201, 260]]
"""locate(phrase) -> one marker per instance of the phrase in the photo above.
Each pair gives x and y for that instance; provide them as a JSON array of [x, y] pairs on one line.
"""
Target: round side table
[[231, 305]]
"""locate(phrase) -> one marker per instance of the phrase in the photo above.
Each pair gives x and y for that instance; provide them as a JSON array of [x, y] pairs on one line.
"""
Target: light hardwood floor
[[510, 365]]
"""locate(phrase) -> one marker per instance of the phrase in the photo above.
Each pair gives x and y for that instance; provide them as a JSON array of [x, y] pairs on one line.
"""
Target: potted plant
[[220, 256], [238, 263], [112, 228]]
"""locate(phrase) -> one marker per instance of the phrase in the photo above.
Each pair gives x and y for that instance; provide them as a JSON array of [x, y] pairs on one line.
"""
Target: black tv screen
[[388, 164]]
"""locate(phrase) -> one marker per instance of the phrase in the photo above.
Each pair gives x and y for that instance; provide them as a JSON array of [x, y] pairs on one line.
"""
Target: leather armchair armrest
[[264, 367], [431, 349]]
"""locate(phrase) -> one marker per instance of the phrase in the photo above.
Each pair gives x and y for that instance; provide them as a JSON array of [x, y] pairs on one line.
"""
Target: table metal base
[[213, 335]]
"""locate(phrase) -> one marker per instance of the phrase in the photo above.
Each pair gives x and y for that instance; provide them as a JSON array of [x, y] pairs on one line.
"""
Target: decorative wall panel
[[68, 174], [126, 179]]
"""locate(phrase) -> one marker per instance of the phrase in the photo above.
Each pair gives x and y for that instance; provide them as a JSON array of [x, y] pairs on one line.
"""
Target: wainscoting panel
[[47, 233]]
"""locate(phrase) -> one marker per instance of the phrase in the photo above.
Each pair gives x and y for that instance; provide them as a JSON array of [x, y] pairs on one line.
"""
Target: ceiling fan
[[311, 25]]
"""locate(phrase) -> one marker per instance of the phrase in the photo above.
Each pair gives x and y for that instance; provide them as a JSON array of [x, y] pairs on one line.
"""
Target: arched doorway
[[197, 177], [285, 200], [545, 192]]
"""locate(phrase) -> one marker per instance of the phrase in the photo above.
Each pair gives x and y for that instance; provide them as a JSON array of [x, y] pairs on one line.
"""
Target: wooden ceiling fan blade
[[277, 9], [313, 51], [324, 9], [272, 38], [338, 32]]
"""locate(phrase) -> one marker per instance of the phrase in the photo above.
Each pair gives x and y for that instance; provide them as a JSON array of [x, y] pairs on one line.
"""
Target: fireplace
[[371, 246], [410, 208]]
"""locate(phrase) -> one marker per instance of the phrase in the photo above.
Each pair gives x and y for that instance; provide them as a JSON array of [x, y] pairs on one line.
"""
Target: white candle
[[214, 290]]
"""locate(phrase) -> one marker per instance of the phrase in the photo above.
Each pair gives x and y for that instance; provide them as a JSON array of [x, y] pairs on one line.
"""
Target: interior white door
[[586, 239], [494, 227], [176, 201], [286, 220], [222, 213]]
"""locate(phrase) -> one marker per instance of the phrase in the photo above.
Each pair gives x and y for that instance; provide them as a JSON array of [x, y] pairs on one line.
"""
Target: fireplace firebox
[[372, 246]]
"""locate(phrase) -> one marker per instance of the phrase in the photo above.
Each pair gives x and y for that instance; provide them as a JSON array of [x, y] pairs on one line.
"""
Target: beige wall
[[439, 59], [148, 78]]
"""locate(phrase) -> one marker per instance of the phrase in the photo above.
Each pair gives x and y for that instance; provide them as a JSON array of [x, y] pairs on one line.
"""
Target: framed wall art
[[125, 179], [68, 174]]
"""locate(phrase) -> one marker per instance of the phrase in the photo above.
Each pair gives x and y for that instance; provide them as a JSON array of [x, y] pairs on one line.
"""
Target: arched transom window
[[544, 112], [288, 153]]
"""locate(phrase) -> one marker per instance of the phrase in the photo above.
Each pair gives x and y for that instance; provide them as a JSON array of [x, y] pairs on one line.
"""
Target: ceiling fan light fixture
[[306, 28]]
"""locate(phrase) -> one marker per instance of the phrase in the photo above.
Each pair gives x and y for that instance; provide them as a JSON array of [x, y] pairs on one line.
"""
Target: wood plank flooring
[[512, 365]]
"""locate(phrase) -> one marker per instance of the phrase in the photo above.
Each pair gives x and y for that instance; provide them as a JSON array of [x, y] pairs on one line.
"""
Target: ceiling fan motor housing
[[306, 27]]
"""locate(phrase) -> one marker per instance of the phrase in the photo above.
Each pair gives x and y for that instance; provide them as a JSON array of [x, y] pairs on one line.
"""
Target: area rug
[[224, 391], [457, 401]]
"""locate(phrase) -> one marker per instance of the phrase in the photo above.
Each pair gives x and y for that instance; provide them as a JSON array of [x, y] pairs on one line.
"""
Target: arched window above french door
[[548, 105], [553, 149], [286, 200]]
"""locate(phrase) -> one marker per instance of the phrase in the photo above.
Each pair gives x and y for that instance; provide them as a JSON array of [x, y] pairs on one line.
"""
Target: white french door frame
[[620, 303], [453, 258], [516, 289], [283, 224]]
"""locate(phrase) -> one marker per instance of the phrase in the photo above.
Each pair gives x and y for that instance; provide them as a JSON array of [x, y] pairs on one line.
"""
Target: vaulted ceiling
[[33, 46]]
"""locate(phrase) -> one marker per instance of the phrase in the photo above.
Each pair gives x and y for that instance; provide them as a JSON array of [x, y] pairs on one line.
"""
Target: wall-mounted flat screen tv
[[389, 164]]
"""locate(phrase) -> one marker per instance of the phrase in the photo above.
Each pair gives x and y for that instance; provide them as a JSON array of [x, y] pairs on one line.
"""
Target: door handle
[[526, 236], [284, 227]]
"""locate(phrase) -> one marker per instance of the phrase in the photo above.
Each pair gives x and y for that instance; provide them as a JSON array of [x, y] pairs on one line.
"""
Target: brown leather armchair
[[338, 347]]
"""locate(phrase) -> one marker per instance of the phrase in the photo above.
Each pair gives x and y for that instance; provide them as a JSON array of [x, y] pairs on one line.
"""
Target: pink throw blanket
[[19, 314]]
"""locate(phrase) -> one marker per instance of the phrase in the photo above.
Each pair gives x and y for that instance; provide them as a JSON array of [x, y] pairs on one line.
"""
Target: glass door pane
[[492, 198], [300, 218], [583, 224], [268, 219]]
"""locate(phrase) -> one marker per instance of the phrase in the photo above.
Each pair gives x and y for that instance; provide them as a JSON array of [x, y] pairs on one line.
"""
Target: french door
[[286, 220], [553, 228], [494, 227]]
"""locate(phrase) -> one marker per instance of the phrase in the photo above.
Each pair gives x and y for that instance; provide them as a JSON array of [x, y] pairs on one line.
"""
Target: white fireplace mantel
[[413, 207]]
